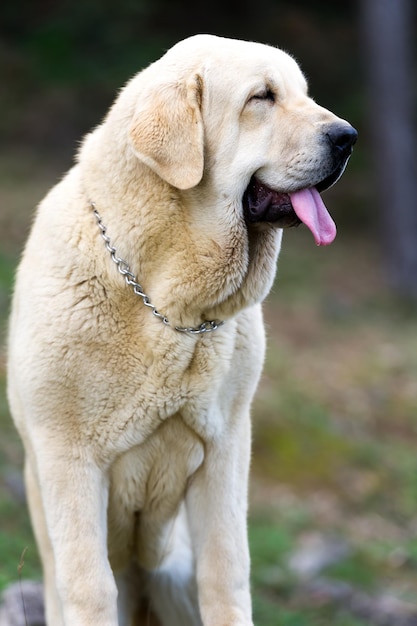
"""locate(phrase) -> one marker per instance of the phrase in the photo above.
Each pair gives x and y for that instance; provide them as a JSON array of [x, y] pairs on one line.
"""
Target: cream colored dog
[[136, 425]]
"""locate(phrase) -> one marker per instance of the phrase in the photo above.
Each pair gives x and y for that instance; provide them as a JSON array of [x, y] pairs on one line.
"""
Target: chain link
[[123, 267]]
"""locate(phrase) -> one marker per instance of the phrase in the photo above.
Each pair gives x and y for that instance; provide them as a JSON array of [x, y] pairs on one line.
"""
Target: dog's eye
[[267, 94]]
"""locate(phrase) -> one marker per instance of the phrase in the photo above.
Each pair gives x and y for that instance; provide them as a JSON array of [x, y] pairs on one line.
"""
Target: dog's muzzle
[[263, 204]]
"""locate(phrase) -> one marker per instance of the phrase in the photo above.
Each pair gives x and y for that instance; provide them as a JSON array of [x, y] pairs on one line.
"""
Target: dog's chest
[[151, 386], [149, 475]]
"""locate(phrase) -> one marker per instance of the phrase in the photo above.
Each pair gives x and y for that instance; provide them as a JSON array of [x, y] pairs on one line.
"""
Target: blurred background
[[334, 476]]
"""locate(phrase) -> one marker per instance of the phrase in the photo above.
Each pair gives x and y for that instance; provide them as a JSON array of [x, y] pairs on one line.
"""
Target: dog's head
[[233, 118]]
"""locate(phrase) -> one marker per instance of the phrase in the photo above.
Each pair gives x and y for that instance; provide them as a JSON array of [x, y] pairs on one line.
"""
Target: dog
[[136, 337]]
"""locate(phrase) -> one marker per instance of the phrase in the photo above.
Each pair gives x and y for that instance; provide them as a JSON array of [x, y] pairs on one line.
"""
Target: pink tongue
[[310, 209]]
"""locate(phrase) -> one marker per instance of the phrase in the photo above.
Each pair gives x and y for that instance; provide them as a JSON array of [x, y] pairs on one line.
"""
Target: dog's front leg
[[74, 495], [217, 509]]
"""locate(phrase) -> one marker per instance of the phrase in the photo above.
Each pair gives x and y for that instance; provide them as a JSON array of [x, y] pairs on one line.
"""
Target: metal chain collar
[[206, 327]]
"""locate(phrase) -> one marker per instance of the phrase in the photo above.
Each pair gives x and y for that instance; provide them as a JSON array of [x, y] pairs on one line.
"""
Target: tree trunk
[[387, 36]]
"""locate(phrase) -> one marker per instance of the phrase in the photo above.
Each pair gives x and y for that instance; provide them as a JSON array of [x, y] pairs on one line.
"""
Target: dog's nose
[[342, 137]]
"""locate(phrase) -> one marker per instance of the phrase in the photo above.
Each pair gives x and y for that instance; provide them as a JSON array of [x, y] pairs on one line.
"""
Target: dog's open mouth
[[262, 204]]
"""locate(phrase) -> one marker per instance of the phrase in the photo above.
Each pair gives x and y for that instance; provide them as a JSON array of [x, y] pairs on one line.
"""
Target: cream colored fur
[[138, 437]]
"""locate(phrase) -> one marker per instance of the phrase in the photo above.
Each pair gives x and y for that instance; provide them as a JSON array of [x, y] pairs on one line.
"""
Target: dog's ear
[[167, 132]]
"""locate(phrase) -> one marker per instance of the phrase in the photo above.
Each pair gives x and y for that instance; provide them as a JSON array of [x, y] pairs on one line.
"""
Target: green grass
[[15, 530], [335, 420], [16, 539]]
